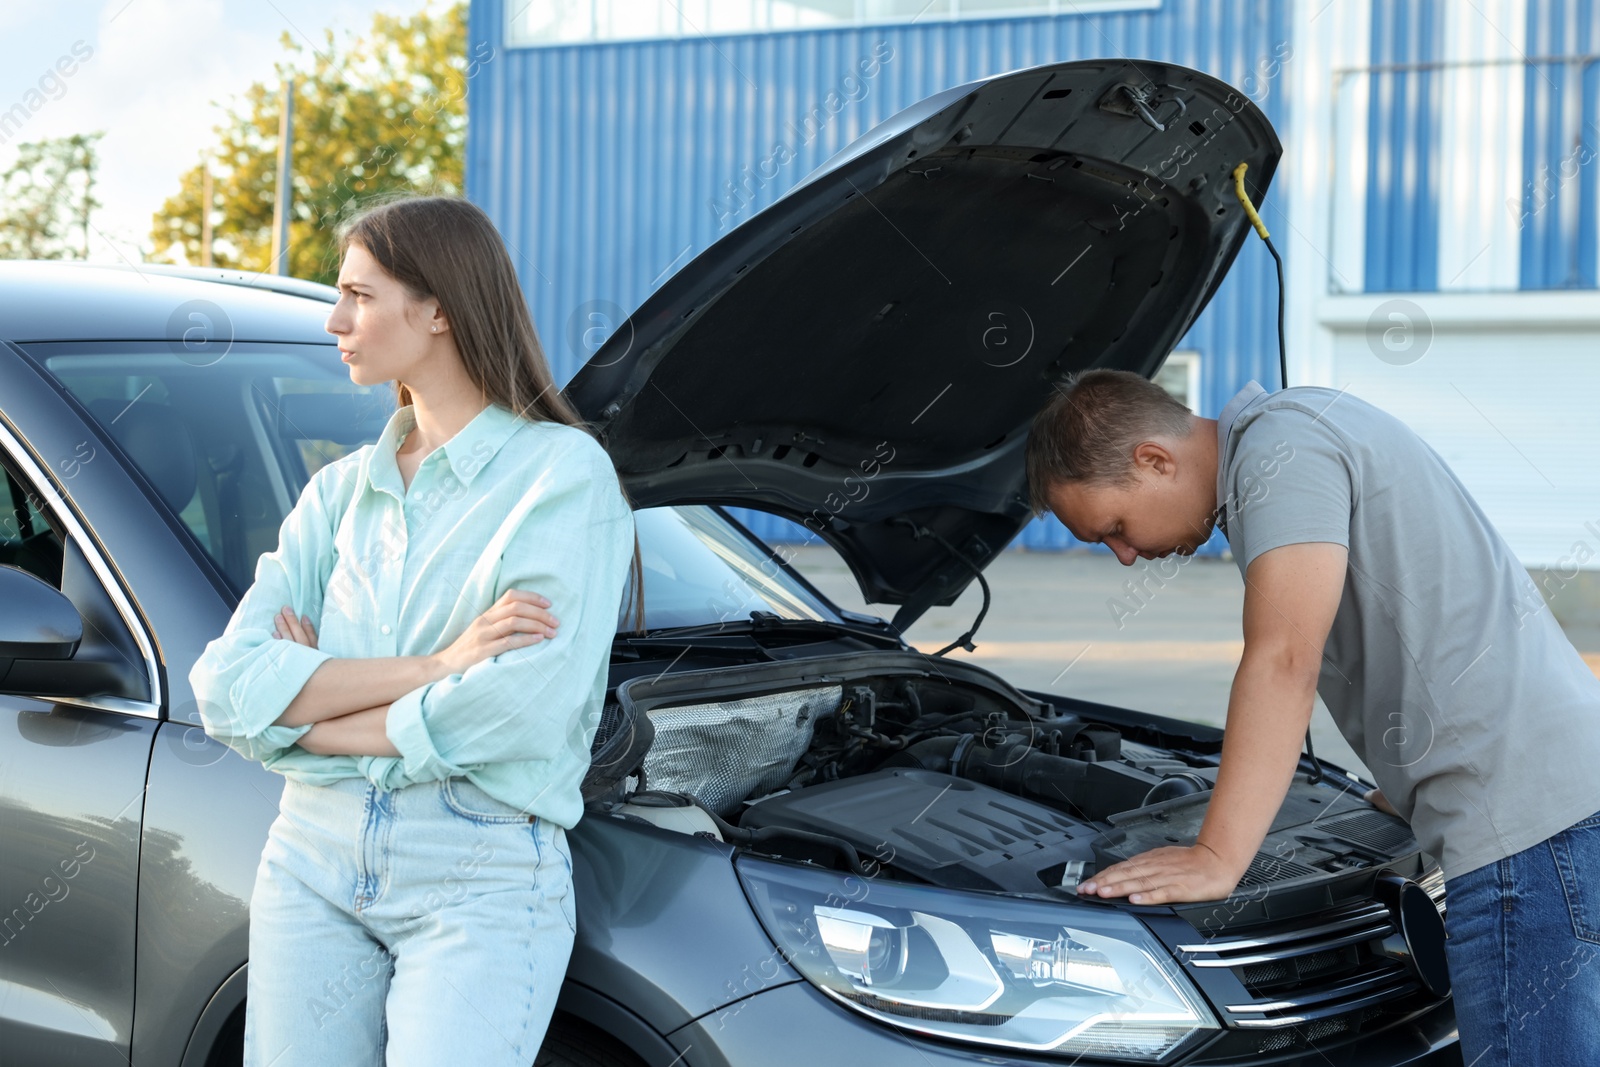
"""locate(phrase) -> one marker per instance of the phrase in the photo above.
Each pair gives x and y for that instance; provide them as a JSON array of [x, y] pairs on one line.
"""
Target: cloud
[[157, 68], [160, 73]]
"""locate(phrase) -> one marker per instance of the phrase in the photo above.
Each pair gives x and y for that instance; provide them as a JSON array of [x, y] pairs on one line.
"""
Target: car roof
[[68, 301]]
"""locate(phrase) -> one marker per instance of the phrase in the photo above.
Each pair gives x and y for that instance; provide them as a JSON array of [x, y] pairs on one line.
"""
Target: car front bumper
[[795, 1025]]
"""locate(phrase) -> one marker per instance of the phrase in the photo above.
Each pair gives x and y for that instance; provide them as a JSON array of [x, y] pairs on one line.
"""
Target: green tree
[[48, 197], [373, 116]]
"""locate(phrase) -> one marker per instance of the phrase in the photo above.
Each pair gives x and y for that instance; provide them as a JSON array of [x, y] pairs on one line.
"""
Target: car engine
[[939, 772]]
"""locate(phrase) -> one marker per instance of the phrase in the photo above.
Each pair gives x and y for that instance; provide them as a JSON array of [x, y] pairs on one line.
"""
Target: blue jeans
[[1524, 953], [424, 925]]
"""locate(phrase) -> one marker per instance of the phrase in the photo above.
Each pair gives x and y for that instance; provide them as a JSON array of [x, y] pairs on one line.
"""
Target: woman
[[413, 903]]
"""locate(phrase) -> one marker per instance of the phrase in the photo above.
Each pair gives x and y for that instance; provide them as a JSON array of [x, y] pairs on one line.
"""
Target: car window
[[230, 445], [700, 569], [29, 537], [110, 660]]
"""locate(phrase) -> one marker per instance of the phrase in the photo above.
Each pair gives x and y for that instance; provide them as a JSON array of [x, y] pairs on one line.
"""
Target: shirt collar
[[468, 452], [1241, 400]]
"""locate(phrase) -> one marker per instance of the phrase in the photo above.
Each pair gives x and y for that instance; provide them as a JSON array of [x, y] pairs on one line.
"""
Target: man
[[1373, 578]]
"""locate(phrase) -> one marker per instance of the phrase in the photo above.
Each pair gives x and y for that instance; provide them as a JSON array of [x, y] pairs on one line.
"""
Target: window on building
[[1180, 376], [556, 22]]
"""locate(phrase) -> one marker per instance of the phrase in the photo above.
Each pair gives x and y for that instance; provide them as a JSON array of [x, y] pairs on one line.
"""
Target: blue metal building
[[1432, 148]]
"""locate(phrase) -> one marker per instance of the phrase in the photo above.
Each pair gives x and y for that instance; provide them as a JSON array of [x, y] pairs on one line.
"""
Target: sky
[[155, 77]]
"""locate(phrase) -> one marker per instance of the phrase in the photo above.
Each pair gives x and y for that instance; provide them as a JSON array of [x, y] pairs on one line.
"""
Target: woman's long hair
[[446, 248]]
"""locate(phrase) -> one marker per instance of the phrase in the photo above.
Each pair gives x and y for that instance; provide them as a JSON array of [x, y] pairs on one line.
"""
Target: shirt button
[[385, 628]]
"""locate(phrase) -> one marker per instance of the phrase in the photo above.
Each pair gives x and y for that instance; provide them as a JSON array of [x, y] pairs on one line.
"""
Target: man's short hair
[[1088, 431]]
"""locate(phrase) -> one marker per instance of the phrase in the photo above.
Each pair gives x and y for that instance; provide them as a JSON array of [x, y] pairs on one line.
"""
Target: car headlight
[[1068, 979]]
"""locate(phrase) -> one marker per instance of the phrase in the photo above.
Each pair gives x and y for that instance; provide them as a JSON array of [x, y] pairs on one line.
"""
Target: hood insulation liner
[[722, 752]]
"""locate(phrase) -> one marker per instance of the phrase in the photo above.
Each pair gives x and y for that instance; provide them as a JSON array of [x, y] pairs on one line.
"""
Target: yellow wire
[[1244, 200]]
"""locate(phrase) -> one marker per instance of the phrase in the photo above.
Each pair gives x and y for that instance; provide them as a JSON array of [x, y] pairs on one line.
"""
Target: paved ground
[[1052, 626]]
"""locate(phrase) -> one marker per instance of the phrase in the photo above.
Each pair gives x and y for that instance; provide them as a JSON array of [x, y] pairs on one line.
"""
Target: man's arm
[[1291, 595]]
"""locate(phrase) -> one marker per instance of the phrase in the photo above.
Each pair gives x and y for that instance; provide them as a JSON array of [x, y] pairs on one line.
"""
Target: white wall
[[1504, 385]]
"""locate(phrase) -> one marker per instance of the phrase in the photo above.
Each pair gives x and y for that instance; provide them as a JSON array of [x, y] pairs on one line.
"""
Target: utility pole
[[86, 146], [205, 210], [281, 202]]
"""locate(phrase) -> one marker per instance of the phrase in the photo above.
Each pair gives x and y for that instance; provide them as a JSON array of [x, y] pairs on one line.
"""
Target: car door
[[72, 764]]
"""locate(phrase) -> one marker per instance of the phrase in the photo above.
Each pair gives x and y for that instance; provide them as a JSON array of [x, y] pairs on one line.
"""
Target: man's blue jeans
[[1524, 953], [424, 925]]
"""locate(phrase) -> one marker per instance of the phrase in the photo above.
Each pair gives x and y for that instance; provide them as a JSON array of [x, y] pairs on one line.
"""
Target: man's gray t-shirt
[[1443, 668]]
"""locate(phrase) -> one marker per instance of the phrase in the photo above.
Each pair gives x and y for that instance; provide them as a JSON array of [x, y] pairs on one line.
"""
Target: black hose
[[1316, 773], [1283, 356], [1283, 382]]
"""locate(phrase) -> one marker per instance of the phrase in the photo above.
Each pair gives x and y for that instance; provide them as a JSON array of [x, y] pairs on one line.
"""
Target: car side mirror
[[36, 620]]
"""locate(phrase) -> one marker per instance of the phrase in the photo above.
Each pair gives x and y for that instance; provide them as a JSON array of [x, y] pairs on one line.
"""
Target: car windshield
[[230, 445]]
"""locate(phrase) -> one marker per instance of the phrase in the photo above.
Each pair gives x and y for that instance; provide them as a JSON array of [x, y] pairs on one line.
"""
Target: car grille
[[1320, 975]]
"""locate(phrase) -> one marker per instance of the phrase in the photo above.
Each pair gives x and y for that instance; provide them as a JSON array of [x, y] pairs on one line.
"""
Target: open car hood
[[865, 355]]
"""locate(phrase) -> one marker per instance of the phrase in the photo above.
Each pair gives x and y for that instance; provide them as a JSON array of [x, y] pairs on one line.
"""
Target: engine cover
[[1316, 832], [940, 828]]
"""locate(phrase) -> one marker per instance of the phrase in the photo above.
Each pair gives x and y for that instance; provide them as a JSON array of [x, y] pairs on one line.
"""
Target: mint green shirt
[[382, 570]]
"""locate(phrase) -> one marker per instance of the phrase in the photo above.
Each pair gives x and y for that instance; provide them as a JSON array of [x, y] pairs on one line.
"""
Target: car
[[804, 839]]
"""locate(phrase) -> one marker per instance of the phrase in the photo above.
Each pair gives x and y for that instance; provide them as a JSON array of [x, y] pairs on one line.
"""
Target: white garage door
[[1510, 399]]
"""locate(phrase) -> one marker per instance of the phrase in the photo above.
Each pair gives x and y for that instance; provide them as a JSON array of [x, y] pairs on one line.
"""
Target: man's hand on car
[[1164, 875]]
